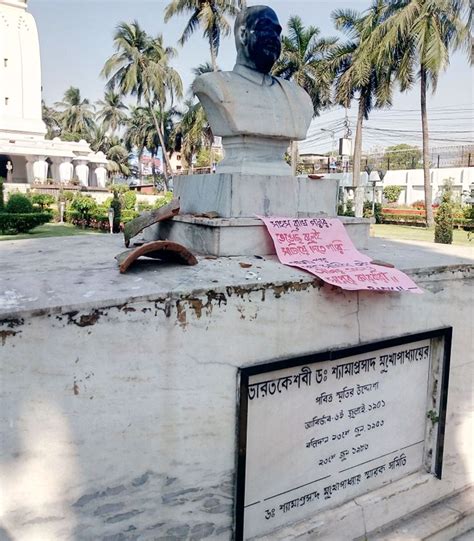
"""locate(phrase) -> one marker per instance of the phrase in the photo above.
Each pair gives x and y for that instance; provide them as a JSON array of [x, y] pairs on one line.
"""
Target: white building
[[25, 155]]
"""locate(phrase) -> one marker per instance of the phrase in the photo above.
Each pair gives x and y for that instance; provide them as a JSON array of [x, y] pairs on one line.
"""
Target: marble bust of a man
[[255, 113]]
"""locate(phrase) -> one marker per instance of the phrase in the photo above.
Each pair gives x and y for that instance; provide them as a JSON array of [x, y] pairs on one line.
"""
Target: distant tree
[[303, 60], [141, 67], [51, 120], [402, 156], [419, 36], [210, 16], [77, 115], [112, 111], [361, 71], [192, 130]]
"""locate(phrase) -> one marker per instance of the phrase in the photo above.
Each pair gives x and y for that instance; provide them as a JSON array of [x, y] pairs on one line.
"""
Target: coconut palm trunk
[[359, 188], [426, 152], [213, 57], [167, 164]]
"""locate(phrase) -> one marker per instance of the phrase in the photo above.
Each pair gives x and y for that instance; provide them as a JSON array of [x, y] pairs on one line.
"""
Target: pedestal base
[[235, 236]]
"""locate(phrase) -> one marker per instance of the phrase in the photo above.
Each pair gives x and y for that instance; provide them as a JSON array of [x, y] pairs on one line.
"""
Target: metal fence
[[440, 157]]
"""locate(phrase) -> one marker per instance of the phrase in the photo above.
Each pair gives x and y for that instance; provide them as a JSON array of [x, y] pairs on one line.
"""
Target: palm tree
[[118, 160], [51, 119], [135, 133], [419, 35], [140, 67], [303, 60], [210, 15], [77, 116], [192, 130], [361, 70], [112, 111]]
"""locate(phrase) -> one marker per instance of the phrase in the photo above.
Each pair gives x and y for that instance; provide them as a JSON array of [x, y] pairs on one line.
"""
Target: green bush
[[22, 222], [408, 219], [392, 193], [129, 200], [42, 200], [164, 200], [129, 215], [18, 204], [85, 205], [444, 220], [377, 211]]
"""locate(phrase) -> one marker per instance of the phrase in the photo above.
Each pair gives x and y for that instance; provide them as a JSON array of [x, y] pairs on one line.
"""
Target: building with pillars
[[25, 155]]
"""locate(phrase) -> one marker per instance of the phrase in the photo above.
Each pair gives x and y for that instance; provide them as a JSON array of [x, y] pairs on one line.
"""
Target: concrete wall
[[412, 182], [119, 417]]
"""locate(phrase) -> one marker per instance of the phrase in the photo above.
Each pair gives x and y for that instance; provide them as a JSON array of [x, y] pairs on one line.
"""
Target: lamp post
[[111, 214], [374, 177], [62, 206]]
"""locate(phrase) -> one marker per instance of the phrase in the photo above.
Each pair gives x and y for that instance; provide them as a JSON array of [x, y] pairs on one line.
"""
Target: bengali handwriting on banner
[[322, 247]]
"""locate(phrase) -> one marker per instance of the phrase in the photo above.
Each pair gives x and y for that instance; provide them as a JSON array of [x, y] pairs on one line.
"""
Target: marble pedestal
[[237, 199]]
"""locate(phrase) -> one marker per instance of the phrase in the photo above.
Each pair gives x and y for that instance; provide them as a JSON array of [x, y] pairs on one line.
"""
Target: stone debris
[[146, 219], [161, 249]]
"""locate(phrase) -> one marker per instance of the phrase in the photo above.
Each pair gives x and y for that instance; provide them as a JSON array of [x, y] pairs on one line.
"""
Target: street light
[[374, 177], [111, 214]]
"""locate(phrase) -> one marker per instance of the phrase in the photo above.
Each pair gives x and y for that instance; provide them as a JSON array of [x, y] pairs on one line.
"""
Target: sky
[[76, 38]]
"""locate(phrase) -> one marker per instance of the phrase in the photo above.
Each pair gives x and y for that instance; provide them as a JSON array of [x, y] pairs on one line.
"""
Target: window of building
[[178, 156], [5, 62], [6, 101], [178, 167]]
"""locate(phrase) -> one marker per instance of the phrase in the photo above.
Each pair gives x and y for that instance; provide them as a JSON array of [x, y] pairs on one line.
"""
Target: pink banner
[[322, 247]]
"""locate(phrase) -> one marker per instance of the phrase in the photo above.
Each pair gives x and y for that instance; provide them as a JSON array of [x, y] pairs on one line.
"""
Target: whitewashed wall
[[119, 418]]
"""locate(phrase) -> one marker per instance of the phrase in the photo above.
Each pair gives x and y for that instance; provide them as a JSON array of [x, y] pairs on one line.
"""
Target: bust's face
[[263, 39]]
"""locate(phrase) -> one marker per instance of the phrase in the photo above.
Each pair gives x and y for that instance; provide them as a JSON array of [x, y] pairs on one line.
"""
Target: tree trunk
[[213, 57], [153, 169], [166, 165], [356, 181], [426, 152], [294, 157], [140, 155]]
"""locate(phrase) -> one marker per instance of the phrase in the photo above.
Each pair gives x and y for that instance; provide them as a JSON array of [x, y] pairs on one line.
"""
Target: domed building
[[25, 155]]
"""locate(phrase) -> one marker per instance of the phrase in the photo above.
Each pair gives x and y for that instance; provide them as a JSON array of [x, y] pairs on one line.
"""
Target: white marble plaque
[[323, 433]]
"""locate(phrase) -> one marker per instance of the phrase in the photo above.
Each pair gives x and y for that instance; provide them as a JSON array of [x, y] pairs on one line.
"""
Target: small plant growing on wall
[[444, 217]]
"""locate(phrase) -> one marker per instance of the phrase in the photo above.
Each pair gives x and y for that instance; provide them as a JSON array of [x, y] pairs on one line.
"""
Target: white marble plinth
[[237, 196], [244, 196], [235, 236]]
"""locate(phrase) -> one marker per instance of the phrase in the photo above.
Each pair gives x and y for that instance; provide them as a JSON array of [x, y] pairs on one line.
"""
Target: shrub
[[129, 200], [22, 222], [377, 211], [164, 200], [18, 204], [85, 205], [444, 217], [392, 193], [42, 200], [420, 205], [2, 196]]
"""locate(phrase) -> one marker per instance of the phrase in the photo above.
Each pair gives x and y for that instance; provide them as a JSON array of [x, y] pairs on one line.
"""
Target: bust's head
[[257, 38]]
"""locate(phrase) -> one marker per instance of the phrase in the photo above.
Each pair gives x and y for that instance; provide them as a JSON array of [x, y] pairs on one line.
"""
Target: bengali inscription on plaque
[[323, 433]]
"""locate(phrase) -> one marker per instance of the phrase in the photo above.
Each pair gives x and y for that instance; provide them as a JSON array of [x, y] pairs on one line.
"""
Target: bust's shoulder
[[213, 83]]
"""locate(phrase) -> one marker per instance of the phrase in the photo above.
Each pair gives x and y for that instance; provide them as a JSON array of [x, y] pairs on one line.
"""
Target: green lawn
[[405, 232], [51, 230]]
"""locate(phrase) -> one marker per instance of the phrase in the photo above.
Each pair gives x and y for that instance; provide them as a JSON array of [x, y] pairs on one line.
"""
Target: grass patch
[[51, 230], [405, 232]]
